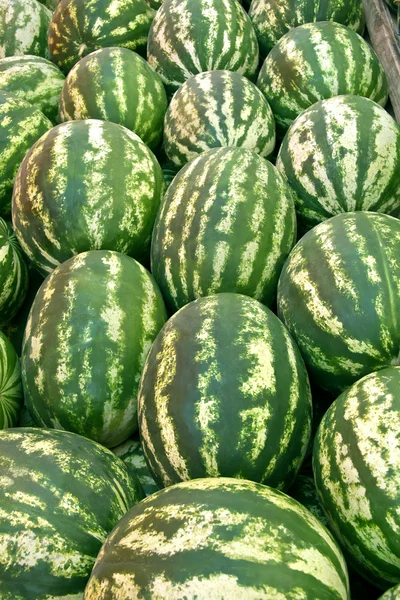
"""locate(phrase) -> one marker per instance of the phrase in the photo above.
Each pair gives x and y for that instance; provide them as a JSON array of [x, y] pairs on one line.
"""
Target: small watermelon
[[13, 275], [23, 27], [11, 396]]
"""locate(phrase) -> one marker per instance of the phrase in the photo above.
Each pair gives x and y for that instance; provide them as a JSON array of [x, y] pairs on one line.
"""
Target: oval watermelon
[[23, 27], [11, 396], [13, 275]]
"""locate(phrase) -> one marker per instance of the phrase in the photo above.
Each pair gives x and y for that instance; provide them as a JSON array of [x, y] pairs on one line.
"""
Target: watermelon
[[21, 124], [243, 408], [273, 18], [226, 224], [191, 36], [116, 84], [356, 462], [337, 163], [23, 27], [11, 397], [34, 79], [217, 108], [318, 61], [79, 27], [88, 334], [86, 185], [391, 594], [61, 495], [219, 538], [131, 452], [339, 296], [13, 275]]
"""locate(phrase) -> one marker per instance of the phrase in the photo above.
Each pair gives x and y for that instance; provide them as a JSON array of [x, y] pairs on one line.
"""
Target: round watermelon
[[217, 108], [219, 538], [23, 27], [227, 224], [339, 296], [191, 36], [342, 155], [11, 396], [61, 495], [88, 334], [318, 61], [13, 275], [131, 452], [86, 185], [116, 84]]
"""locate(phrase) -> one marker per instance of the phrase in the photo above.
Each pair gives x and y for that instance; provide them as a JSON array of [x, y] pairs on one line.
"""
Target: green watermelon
[[34, 79], [88, 334], [116, 84], [356, 462], [217, 108], [391, 594], [318, 61], [342, 155], [131, 452], [191, 36], [11, 397], [339, 296], [61, 495], [86, 185], [214, 539], [79, 27], [23, 27], [21, 124], [227, 224], [13, 275], [273, 18], [224, 392]]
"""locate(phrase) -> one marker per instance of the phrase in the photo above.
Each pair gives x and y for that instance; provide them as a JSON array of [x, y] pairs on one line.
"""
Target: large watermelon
[[214, 539], [339, 296], [116, 84], [191, 36], [224, 392], [356, 464], [79, 27], [317, 61], [217, 108], [89, 331], [60, 496], [342, 155], [273, 18], [23, 27], [86, 185], [13, 275], [11, 396], [227, 224]]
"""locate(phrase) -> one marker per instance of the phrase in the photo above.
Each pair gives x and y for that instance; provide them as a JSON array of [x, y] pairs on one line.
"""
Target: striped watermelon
[[23, 27], [116, 84], [61, 495], [34, 79], [273, 18], [391, 594], [79, 27], [317, 61], [224, 392], [191, 36], [356, 463], [11, 396], [336, 163], [131, 452], [227, 224], [214, 539], [339, 296], [13, 275], [217, 108], [88, 334], [21, 124], [86, 185]]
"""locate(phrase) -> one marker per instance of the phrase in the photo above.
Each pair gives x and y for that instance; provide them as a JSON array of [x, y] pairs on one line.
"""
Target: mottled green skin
[[273, 18], [61, 495], [318, 61], [86, 185], [34, 79], [13, 275], [116, 84], [79, 27], [227, 224], [391, 594], [243, 408], [191, 36], [339, 296], [214, 539], [131, 452], [88, 334], [11, 397], [356, 464], [23, 27], [214, 109], [21, 124], [342, 155]]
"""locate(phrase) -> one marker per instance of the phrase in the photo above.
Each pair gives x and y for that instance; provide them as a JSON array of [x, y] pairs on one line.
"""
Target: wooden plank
[[386, 42]]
